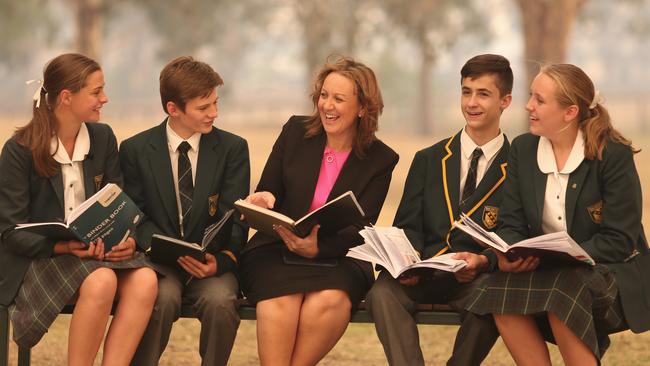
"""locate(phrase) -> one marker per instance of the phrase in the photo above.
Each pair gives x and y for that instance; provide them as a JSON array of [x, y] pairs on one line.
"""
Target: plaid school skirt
[[584, 298], [48, 286]]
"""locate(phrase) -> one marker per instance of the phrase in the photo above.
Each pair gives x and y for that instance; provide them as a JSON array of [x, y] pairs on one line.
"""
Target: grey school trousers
[[392, 306], [214, 299]]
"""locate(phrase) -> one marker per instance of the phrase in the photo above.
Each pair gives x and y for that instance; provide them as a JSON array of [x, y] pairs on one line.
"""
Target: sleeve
[[513, 224], [113, 173], [622, 208], [236, 185], [134, 189], [371, 199], [410, 211], [15, 169]]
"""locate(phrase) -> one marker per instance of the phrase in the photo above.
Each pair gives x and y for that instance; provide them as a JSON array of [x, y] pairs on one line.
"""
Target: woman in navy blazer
[[305, 288], [48, 167], [573, 172]]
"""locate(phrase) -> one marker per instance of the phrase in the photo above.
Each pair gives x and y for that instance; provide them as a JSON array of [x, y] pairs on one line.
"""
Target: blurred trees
[[23, 25], [547, 27], [89, 16], [434, 26]]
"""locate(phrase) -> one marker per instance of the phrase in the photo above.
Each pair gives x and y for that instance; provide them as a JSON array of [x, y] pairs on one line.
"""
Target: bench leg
[[24, 356], [4, 336]]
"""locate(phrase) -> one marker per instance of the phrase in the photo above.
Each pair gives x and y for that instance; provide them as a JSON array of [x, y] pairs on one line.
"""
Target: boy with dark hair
[[460, 174], [184, 174]]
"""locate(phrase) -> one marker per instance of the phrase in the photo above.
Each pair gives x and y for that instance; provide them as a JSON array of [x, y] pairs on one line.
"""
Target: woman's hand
[[79, 249], [520, 265], [122, 251], [262, 199], [306, 247], [197, 268]]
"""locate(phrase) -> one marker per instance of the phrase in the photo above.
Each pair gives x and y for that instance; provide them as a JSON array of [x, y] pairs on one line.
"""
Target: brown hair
[[367, 91], [184, 78], [65, 72], [575, 88], [489, 64]]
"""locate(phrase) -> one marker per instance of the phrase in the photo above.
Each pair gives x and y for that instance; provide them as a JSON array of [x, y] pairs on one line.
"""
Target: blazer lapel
[[206, 168], [57, 185], [161, 171], [574, 186], [451, 176], [311, 161]]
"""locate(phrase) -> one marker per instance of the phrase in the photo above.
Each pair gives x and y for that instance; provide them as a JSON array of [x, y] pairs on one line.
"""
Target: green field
[[359, 345]]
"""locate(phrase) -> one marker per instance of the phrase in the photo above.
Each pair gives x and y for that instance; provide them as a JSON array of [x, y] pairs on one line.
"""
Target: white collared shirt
[[72, 173], [467, 147], [173, 141], [554, 212]]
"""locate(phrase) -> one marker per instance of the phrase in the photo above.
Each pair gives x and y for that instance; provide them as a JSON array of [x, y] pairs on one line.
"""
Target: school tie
[[185, 185], [470, 181]]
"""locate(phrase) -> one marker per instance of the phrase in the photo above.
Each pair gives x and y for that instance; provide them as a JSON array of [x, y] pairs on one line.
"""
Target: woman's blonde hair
[[367, 91], [576, 88]]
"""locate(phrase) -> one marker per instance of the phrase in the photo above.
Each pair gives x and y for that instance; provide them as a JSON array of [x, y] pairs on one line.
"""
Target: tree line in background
[[335, 26]]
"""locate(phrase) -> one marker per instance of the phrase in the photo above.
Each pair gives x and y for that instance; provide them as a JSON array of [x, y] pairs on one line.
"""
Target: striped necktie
[[470, 181], [185, 184]]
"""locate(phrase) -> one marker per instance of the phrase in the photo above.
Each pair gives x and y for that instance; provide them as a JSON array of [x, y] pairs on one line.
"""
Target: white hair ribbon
[[37, 94], [597, 100]]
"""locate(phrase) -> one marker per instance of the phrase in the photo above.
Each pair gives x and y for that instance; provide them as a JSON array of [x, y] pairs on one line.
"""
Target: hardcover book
[[333, 216], [109, 214]]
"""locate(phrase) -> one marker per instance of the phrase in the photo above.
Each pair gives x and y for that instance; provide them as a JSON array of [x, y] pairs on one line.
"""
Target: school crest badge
[[490, 216], [98, 181], [212, 204], [595, 212]]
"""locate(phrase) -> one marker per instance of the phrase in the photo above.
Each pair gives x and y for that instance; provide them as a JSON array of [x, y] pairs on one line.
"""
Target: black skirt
[[48, 286], [584, 298], [265, 275]]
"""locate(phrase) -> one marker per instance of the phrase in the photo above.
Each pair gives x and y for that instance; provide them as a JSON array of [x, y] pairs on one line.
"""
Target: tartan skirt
[[584, 298], [49, 285]]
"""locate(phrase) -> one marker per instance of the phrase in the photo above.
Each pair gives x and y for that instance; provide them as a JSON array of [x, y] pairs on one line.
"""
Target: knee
[[168, 301], [100, 285], [333, 301], [218, 300], [379, 292], [146, 284]]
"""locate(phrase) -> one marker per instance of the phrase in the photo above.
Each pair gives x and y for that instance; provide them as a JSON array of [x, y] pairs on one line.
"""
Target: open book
[[109, 214], [166, 250], [390, 248], [333, 216], [557, 246]]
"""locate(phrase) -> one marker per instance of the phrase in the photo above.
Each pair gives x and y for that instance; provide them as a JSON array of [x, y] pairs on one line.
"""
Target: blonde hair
[[576, 88], [368, 94]]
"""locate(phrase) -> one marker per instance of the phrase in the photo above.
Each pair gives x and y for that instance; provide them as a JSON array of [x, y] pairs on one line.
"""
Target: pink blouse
[[329, 170]]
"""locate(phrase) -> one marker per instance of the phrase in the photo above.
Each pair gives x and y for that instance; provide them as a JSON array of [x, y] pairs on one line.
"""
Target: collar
[[81, 147], [490, 149], [546, 156], [173, 140]]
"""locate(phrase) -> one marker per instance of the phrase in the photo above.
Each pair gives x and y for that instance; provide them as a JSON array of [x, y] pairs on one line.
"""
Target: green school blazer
[[603, 215], [27, 197], [430, 202], [222, 177]]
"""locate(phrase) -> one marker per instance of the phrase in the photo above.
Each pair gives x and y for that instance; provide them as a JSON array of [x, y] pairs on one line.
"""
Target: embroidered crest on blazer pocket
[[212, 204], [595, 212], [490, 216]]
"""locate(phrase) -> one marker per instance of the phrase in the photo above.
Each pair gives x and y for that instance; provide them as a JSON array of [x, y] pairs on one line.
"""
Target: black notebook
[[333, 216], [166, 250]]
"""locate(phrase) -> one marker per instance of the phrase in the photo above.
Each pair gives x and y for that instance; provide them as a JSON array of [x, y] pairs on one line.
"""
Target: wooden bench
[[426, 314]]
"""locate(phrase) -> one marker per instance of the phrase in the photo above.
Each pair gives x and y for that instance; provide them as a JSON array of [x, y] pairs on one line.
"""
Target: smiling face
[[481, 102], [198, 116], [86, 104], [545, 114], [339, 107]]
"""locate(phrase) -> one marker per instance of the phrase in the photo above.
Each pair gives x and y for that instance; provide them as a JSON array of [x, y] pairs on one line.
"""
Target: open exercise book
[[333, 216], [390, 248], [557, 246], [166, 250], [108, 214]]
